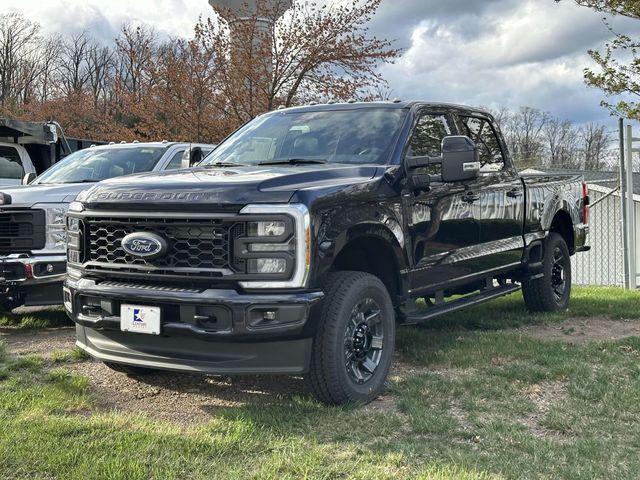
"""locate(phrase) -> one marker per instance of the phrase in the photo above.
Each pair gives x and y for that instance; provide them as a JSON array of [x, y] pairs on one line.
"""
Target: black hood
[[223, 186]]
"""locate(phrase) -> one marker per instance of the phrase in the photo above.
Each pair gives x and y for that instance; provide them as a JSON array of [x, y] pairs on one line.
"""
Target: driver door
[[443, 221]]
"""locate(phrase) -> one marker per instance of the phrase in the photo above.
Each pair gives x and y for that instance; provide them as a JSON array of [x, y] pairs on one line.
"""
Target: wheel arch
[[562, 223], [373, 249]]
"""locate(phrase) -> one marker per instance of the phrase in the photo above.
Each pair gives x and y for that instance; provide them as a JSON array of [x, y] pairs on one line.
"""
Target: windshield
[[96, 164], [359, 136]]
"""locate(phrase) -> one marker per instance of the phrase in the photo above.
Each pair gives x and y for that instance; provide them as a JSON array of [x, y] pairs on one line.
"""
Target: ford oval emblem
[[144, 245]]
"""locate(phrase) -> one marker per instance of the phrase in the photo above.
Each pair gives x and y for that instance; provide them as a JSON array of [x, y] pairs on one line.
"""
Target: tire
[[353, 346], [552, 291], [130, 369]]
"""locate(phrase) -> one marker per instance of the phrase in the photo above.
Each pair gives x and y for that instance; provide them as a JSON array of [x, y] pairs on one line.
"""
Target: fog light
[[267, 265], [269, 315], [49, 268]]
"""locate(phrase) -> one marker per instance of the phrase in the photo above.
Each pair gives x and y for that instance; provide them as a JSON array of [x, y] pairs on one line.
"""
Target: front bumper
[[210, 330], [32, 280]]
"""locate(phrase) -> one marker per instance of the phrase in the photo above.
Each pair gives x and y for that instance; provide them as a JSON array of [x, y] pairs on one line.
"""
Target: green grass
[[55, 317], [483, 402]]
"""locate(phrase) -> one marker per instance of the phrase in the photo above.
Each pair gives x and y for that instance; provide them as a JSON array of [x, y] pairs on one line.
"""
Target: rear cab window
[[482, 132]]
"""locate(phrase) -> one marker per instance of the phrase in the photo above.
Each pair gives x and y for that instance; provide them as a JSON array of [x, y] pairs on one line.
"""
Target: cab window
[[176, 161], [485, 137], [427, 137], [10, 163], [428, 134]]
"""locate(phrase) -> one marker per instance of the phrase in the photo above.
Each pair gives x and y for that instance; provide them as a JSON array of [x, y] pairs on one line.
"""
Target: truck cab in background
[[32, 230], [29, 148]]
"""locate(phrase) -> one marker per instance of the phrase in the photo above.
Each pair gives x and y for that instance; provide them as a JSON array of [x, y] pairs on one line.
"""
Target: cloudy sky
[[480, 52]]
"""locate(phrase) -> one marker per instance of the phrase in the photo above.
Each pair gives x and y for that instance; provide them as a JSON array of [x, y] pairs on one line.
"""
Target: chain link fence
[[603, 264]]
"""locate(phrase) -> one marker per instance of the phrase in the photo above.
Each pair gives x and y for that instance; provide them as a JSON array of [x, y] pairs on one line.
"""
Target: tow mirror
[[460, 159], [28, 178], [419, 181], [191, 157]]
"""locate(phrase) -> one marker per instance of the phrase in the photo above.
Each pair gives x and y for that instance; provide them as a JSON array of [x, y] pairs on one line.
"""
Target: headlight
[[285, 251], [266, 229], [56, 236], [76, 207], [73, 224]]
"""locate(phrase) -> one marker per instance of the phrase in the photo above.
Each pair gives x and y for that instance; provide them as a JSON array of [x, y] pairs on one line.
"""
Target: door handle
[[515, 193], [470, 197]]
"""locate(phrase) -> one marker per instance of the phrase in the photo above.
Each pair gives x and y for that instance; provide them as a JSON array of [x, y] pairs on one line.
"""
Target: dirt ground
[[191, 398], [579, 331]]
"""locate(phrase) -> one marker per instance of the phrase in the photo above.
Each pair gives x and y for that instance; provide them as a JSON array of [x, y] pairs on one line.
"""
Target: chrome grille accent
[[197, 246], [157, 288]]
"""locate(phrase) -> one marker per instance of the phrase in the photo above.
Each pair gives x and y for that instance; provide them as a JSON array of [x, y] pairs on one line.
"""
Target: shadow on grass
[[42, 318]]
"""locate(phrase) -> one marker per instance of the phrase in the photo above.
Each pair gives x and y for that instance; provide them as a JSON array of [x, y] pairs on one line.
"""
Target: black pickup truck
[[307, 236]]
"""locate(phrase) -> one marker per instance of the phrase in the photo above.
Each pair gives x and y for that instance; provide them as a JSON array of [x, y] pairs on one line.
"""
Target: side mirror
[[419, 181], [460, 159], [28, 178], [191, 157]]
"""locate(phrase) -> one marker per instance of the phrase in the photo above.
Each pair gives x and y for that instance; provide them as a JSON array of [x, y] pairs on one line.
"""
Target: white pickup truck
[[15, 164], [32, 230]]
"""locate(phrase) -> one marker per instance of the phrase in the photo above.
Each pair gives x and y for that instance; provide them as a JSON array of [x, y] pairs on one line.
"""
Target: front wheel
[[353, 347], [552, 291]]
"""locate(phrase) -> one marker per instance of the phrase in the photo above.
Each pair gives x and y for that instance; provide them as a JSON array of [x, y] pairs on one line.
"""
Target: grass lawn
[[472, 397]]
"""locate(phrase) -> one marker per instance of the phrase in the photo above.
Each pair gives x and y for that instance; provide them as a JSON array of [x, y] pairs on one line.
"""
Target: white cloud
[[530, 54], [104, 18]]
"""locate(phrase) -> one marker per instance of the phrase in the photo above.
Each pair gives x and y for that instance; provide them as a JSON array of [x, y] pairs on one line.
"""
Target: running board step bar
[[468, 301]]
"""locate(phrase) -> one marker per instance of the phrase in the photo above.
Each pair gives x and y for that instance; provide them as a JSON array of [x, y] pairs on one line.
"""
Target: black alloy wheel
[[364, 340]]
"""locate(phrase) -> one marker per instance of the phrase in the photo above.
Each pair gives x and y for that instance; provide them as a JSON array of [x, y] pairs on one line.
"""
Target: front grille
[[22, 231], [197, 247]]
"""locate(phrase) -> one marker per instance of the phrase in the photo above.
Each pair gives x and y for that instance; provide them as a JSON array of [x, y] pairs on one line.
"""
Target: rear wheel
[[130, 369], [353, 347], [552, 291]]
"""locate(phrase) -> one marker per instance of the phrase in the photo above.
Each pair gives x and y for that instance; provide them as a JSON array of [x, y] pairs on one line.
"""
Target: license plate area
[[140, 319]]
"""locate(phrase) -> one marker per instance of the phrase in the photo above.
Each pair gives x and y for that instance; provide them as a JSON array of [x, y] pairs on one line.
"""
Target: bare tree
[[73, 64], [561, 138], [524, 132], [100, 69], [19, 41], [136, 49], [595, 142]]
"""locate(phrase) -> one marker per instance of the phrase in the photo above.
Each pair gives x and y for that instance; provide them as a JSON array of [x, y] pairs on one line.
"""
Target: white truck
[[29, 148], [32, 230]]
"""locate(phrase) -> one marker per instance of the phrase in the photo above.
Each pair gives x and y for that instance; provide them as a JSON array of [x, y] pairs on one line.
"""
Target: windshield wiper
[[294, 161], [223, 164], [86, 180]]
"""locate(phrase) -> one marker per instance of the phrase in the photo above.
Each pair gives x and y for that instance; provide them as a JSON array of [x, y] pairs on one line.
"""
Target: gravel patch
[[41, 342]]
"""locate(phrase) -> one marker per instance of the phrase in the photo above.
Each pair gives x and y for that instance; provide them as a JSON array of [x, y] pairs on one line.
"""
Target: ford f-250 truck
[[32, 230], [306, 237]]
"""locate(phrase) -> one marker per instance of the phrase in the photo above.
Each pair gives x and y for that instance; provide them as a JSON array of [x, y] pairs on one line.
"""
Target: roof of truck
[[393, 104], [164, 144]]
